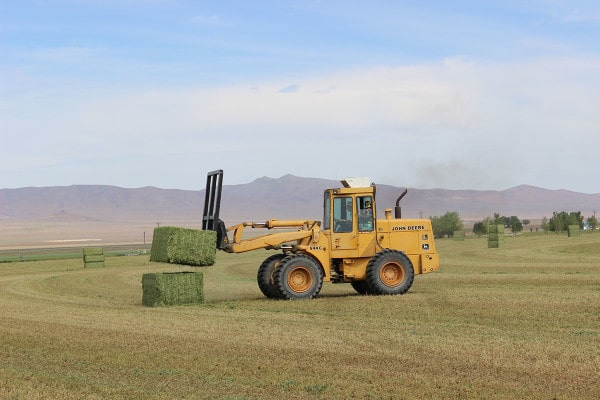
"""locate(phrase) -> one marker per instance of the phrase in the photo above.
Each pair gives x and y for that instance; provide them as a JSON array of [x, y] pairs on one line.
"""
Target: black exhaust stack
[[398, 209]]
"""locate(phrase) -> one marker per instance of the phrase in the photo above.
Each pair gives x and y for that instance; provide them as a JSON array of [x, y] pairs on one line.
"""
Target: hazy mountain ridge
[[281, 198]]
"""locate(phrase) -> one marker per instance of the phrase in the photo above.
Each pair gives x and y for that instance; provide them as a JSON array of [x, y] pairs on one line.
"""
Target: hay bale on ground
[[573, 230], [93, 257], [459, 235], [495, 236], [184, 246], [493, 228], [172, 288]]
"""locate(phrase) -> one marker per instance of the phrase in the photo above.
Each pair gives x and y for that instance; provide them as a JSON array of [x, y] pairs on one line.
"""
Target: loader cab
[[349, 220]]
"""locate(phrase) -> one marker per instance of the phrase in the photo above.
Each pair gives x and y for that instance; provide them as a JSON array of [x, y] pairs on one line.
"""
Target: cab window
[[342, 214], [364, 205], [327, 211]]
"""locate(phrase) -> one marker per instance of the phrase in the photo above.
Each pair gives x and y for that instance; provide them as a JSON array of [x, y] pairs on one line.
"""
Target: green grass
[[66, 253], [521, 321]]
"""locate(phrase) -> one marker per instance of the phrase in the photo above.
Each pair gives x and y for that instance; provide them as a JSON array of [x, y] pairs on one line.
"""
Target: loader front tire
[[265, 276], [390, 272], [298, 276]]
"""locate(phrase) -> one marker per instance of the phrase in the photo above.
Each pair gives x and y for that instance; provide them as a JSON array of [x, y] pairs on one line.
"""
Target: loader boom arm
[[299, 231], [306, 231]]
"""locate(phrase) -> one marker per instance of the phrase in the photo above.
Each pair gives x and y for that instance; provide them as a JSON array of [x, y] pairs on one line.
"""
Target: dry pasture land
[[521, 321]]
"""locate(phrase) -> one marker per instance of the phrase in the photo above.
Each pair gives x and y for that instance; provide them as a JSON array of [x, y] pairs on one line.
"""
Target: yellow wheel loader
[[376, 256]]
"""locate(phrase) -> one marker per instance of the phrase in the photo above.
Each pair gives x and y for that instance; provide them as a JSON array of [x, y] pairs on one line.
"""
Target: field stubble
[[521, 321]]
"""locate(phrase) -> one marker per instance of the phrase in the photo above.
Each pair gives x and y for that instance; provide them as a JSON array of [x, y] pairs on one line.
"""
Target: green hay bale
[[573, 230], [493, 244], [495, 228], [160, 243], [175, 288], [459, 235], [90, 259], [97, 264], [493, 236], [93, 251], [93, 257], [184, 246]]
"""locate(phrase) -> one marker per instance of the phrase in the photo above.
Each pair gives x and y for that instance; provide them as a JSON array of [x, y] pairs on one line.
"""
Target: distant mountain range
[[281, 198]]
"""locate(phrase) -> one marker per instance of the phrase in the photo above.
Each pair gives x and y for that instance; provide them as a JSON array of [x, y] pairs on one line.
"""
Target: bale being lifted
[[184, 246]]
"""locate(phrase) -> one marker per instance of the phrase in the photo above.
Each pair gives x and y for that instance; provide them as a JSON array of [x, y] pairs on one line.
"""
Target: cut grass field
[[521, 321]]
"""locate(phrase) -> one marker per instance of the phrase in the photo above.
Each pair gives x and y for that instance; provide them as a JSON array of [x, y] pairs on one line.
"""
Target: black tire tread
[[280, 276], [373, 278], [264, 276]]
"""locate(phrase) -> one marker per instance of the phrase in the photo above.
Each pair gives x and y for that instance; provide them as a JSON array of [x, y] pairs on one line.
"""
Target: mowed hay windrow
[[172, 288], [184, 246]]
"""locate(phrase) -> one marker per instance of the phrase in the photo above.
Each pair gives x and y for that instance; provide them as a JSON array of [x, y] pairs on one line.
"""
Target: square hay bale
[[573, 230], [493, 244], [160, 243], [494, 236], [95, 264], [172, 288], [493, 228], [93, 251], [93, 257], [184, 246]]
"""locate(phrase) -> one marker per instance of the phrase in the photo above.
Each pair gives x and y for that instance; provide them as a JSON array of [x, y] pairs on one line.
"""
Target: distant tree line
[[560, 221], [513, 223], [447, 224]]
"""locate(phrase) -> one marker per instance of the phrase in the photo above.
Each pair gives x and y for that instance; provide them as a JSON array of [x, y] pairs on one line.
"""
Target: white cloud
[[455, 124]]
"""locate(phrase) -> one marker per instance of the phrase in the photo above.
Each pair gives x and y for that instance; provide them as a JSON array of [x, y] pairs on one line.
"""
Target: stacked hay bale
[[184, 246], [573, 230], [459, 235], [176, 288], [181, 246], [495, 236], [93, 257]]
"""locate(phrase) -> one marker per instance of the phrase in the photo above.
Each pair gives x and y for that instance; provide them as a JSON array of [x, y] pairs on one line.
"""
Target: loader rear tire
[[390, 272], [298, 277], [265, 276]]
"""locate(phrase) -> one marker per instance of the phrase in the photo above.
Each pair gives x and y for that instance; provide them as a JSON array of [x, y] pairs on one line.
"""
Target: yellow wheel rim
[[392, 274], [300, 279]]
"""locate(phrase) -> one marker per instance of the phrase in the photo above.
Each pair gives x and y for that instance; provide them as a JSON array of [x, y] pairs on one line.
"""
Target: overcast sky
[[420, 94]]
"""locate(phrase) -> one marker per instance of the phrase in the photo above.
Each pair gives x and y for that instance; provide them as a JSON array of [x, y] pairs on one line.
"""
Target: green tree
[[498, 220], [481, 228], [561, 220], [446, 225], [592, 222], [545, 224], [515, 224]]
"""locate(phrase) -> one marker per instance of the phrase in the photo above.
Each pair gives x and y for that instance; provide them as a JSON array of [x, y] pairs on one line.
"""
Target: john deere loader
[[350, 245]]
